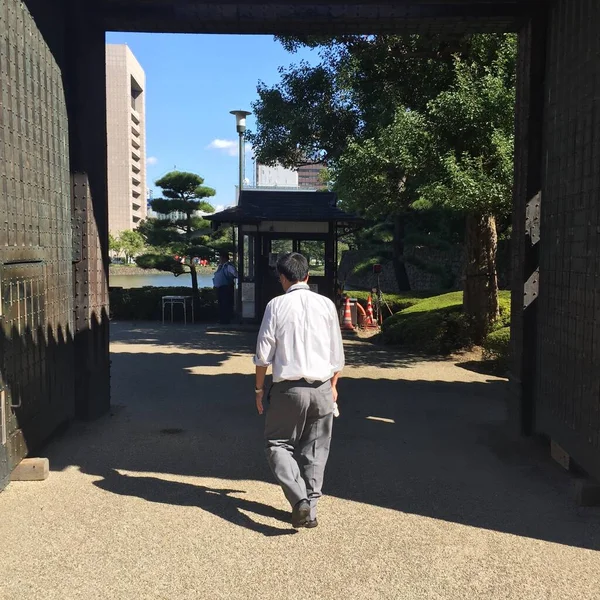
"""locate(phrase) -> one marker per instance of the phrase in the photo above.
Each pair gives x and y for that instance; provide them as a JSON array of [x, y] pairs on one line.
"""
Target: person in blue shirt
[[223, 280]]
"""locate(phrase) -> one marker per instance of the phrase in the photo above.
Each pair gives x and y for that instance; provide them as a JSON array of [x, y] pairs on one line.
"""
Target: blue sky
[[192, 82]]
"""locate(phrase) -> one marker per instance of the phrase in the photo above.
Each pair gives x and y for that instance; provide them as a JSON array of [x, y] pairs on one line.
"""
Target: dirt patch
[[473, 360], [368, 334]]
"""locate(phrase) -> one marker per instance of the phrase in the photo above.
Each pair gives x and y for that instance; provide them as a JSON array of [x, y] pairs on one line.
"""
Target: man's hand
[[259, 388], [259, 401], [334, 392]]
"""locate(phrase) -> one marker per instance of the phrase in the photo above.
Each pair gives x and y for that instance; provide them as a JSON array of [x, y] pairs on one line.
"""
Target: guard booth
[[270, 223]]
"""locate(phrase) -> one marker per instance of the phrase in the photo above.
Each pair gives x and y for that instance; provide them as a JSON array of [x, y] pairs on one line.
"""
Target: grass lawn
[[437, 325]]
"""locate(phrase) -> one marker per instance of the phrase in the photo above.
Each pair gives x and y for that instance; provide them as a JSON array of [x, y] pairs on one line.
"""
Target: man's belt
[[301, 382]]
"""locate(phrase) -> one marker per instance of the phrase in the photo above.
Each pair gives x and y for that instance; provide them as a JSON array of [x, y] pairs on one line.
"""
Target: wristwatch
[[258, 390]]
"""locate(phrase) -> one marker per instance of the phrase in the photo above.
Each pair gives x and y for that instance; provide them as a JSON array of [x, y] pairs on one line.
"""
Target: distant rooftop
[[283, 188], [284, 205]]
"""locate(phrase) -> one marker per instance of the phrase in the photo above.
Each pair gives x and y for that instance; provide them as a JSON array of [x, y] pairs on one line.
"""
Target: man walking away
[[223, 280], [300, 339]]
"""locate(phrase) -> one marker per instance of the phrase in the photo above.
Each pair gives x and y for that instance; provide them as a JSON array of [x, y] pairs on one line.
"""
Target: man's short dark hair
[[224, 254], [293, 266]]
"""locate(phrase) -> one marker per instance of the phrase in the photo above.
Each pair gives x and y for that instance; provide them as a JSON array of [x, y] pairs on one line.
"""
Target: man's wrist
[[258, 389]]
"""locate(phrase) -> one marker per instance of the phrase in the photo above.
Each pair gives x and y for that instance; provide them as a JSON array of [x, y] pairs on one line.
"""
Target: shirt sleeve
[[337, 359], [265, 345], [232, 271]]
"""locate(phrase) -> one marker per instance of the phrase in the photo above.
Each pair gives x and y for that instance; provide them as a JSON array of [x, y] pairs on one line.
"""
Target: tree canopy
[[182, 231], [183, 196], [130, 242], [404, 123]]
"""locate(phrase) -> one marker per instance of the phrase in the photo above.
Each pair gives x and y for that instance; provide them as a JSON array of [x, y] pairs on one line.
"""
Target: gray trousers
[[297, 436]]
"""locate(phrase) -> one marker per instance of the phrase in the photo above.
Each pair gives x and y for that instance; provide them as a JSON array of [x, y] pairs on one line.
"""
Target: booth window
[[281, 247], [314, 251], [249, 241]]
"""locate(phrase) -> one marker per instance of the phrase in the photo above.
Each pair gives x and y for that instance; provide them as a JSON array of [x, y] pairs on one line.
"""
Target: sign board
[[248, 310], [248, 294]]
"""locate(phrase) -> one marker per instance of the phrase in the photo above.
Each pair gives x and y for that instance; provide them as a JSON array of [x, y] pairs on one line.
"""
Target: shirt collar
[[298, 286]]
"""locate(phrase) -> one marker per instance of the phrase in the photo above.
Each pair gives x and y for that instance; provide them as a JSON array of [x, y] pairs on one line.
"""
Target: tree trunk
[[188, 227], [398, 255], [195, 290], [481, 279]]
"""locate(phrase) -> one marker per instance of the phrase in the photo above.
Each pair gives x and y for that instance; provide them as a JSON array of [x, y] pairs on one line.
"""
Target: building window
[[136, 93]]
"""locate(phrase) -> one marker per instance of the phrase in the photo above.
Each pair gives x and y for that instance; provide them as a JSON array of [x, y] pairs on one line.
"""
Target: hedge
[[437, 325], [144, 303], [496, 347], [504, 319]]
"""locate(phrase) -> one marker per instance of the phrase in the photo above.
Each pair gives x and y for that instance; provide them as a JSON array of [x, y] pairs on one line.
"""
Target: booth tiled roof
[[273, 205]]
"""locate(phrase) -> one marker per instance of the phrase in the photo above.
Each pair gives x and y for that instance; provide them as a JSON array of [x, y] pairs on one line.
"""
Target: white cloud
[[229, 147], [217, 207], [152, 160]]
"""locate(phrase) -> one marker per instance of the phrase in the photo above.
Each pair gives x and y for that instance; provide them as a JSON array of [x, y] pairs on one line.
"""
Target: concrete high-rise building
[[309, 176], [276, 176], [126, 124]]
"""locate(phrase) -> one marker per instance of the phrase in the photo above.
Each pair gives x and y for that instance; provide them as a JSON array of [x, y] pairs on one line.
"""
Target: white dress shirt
[[300, 337]]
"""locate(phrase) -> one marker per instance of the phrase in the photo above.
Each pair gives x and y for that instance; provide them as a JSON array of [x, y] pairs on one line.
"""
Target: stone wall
[[449, 264]]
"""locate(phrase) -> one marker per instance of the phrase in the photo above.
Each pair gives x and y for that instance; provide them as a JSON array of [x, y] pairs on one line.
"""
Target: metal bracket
[[18, 405], [79, 191], [76, 226], [531, 289], [532, 218]]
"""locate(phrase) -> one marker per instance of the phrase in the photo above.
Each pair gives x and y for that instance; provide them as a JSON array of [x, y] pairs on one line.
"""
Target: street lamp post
[[240, 123]]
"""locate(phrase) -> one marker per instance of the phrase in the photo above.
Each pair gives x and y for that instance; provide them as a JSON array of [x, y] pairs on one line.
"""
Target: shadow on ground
[[218, 501], [366, 353], [191, 337], [430, 448]]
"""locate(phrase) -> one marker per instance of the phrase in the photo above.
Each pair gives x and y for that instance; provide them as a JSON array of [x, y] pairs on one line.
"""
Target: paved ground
[[171, 498]]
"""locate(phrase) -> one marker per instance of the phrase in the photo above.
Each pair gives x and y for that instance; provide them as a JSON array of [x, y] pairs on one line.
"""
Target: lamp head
[[240, 119]]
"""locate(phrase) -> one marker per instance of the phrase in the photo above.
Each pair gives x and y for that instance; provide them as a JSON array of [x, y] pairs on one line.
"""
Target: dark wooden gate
[[53, 294], [36, 281], [556, 300], [567, 394]]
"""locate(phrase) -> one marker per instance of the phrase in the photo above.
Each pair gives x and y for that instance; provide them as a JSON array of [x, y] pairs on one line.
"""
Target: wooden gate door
[[36, 283]]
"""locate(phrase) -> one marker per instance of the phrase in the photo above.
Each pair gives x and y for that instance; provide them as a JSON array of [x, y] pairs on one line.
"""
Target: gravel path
[[171, 497]]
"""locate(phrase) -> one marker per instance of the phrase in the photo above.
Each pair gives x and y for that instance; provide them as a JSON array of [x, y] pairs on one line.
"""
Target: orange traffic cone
[[347, 322], [370, 317], [361, 316]]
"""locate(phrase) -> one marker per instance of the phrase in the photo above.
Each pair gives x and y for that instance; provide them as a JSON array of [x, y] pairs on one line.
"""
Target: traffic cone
[[347, 322], [361, 316], [370, 317]]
